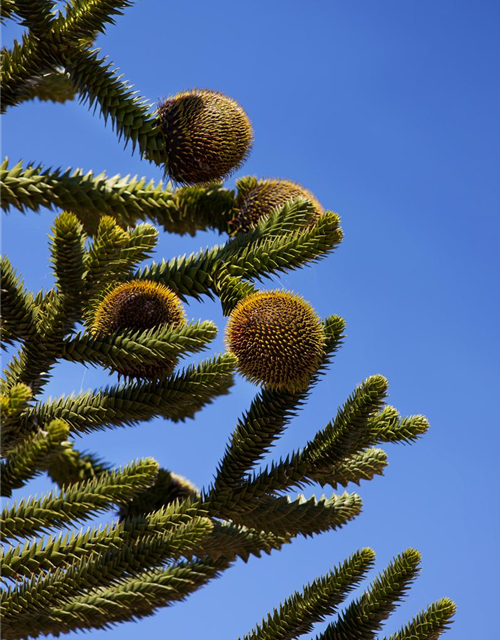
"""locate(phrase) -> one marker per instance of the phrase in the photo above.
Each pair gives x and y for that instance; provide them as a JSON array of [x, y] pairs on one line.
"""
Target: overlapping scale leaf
[[177, 398], [77, 502]]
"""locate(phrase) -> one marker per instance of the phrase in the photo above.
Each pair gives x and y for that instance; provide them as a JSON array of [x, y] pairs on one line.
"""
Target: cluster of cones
[[276, 336]]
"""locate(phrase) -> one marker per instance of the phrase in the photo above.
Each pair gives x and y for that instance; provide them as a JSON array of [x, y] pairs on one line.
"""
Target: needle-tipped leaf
[[17, 309], [28, 458], [319, 599], [268, 416], [67, 248], [131, 599], [121, 350], [64, 551], [109, 567], [303, 516], [77, 502], [84, 20], [363, 618], [176, 398], [430, 624]]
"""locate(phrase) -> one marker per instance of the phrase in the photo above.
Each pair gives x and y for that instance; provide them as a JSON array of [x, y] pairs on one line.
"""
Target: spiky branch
[[107, 309]]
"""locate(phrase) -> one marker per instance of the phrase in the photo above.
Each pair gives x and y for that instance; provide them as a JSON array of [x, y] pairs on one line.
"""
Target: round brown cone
[[139, 305], [207, 136], [260, 199]]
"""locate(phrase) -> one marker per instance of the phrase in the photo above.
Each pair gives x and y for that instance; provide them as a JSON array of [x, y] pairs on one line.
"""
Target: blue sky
[[388, 112]]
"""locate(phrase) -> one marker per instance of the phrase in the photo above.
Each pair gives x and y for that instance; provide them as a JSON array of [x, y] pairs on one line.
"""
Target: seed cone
[[139, 305], [168, 487], [257, 198], [207, 136], [277, 338]]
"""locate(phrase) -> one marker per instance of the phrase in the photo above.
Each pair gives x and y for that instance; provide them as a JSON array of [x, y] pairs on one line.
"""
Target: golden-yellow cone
[[277, 338]]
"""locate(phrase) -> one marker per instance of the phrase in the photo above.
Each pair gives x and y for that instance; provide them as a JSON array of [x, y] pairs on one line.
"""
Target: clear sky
[[388, 112]]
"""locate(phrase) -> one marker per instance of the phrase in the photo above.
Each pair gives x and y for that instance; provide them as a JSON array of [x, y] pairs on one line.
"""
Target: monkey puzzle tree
[[168, 539]]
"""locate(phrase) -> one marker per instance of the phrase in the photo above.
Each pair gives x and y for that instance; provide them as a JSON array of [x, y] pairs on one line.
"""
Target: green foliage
[[364, 616], [61, 551], [54, 86], [27, 64], [359, 466], [67, 249], [77, 502], [8, 9], [177, 398], [130, 599], [28, 457], [38, 16], [167, 488], [110, 565], [303, 516], [130, 115], [84, 20], [18, 313], [169, 538], [321, 598], [66, 465], [127, 199], [266, 420], [429, 624], [144, 347]]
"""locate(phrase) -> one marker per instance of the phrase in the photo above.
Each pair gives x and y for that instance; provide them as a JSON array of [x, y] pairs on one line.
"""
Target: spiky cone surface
[[257, 198], [138, 305], [207, 136], [277, 338]]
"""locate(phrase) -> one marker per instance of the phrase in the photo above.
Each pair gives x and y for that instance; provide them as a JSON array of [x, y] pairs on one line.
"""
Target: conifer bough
[[170, 538]]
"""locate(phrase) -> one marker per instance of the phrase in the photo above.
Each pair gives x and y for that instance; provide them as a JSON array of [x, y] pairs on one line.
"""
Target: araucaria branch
[[167, 538]]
